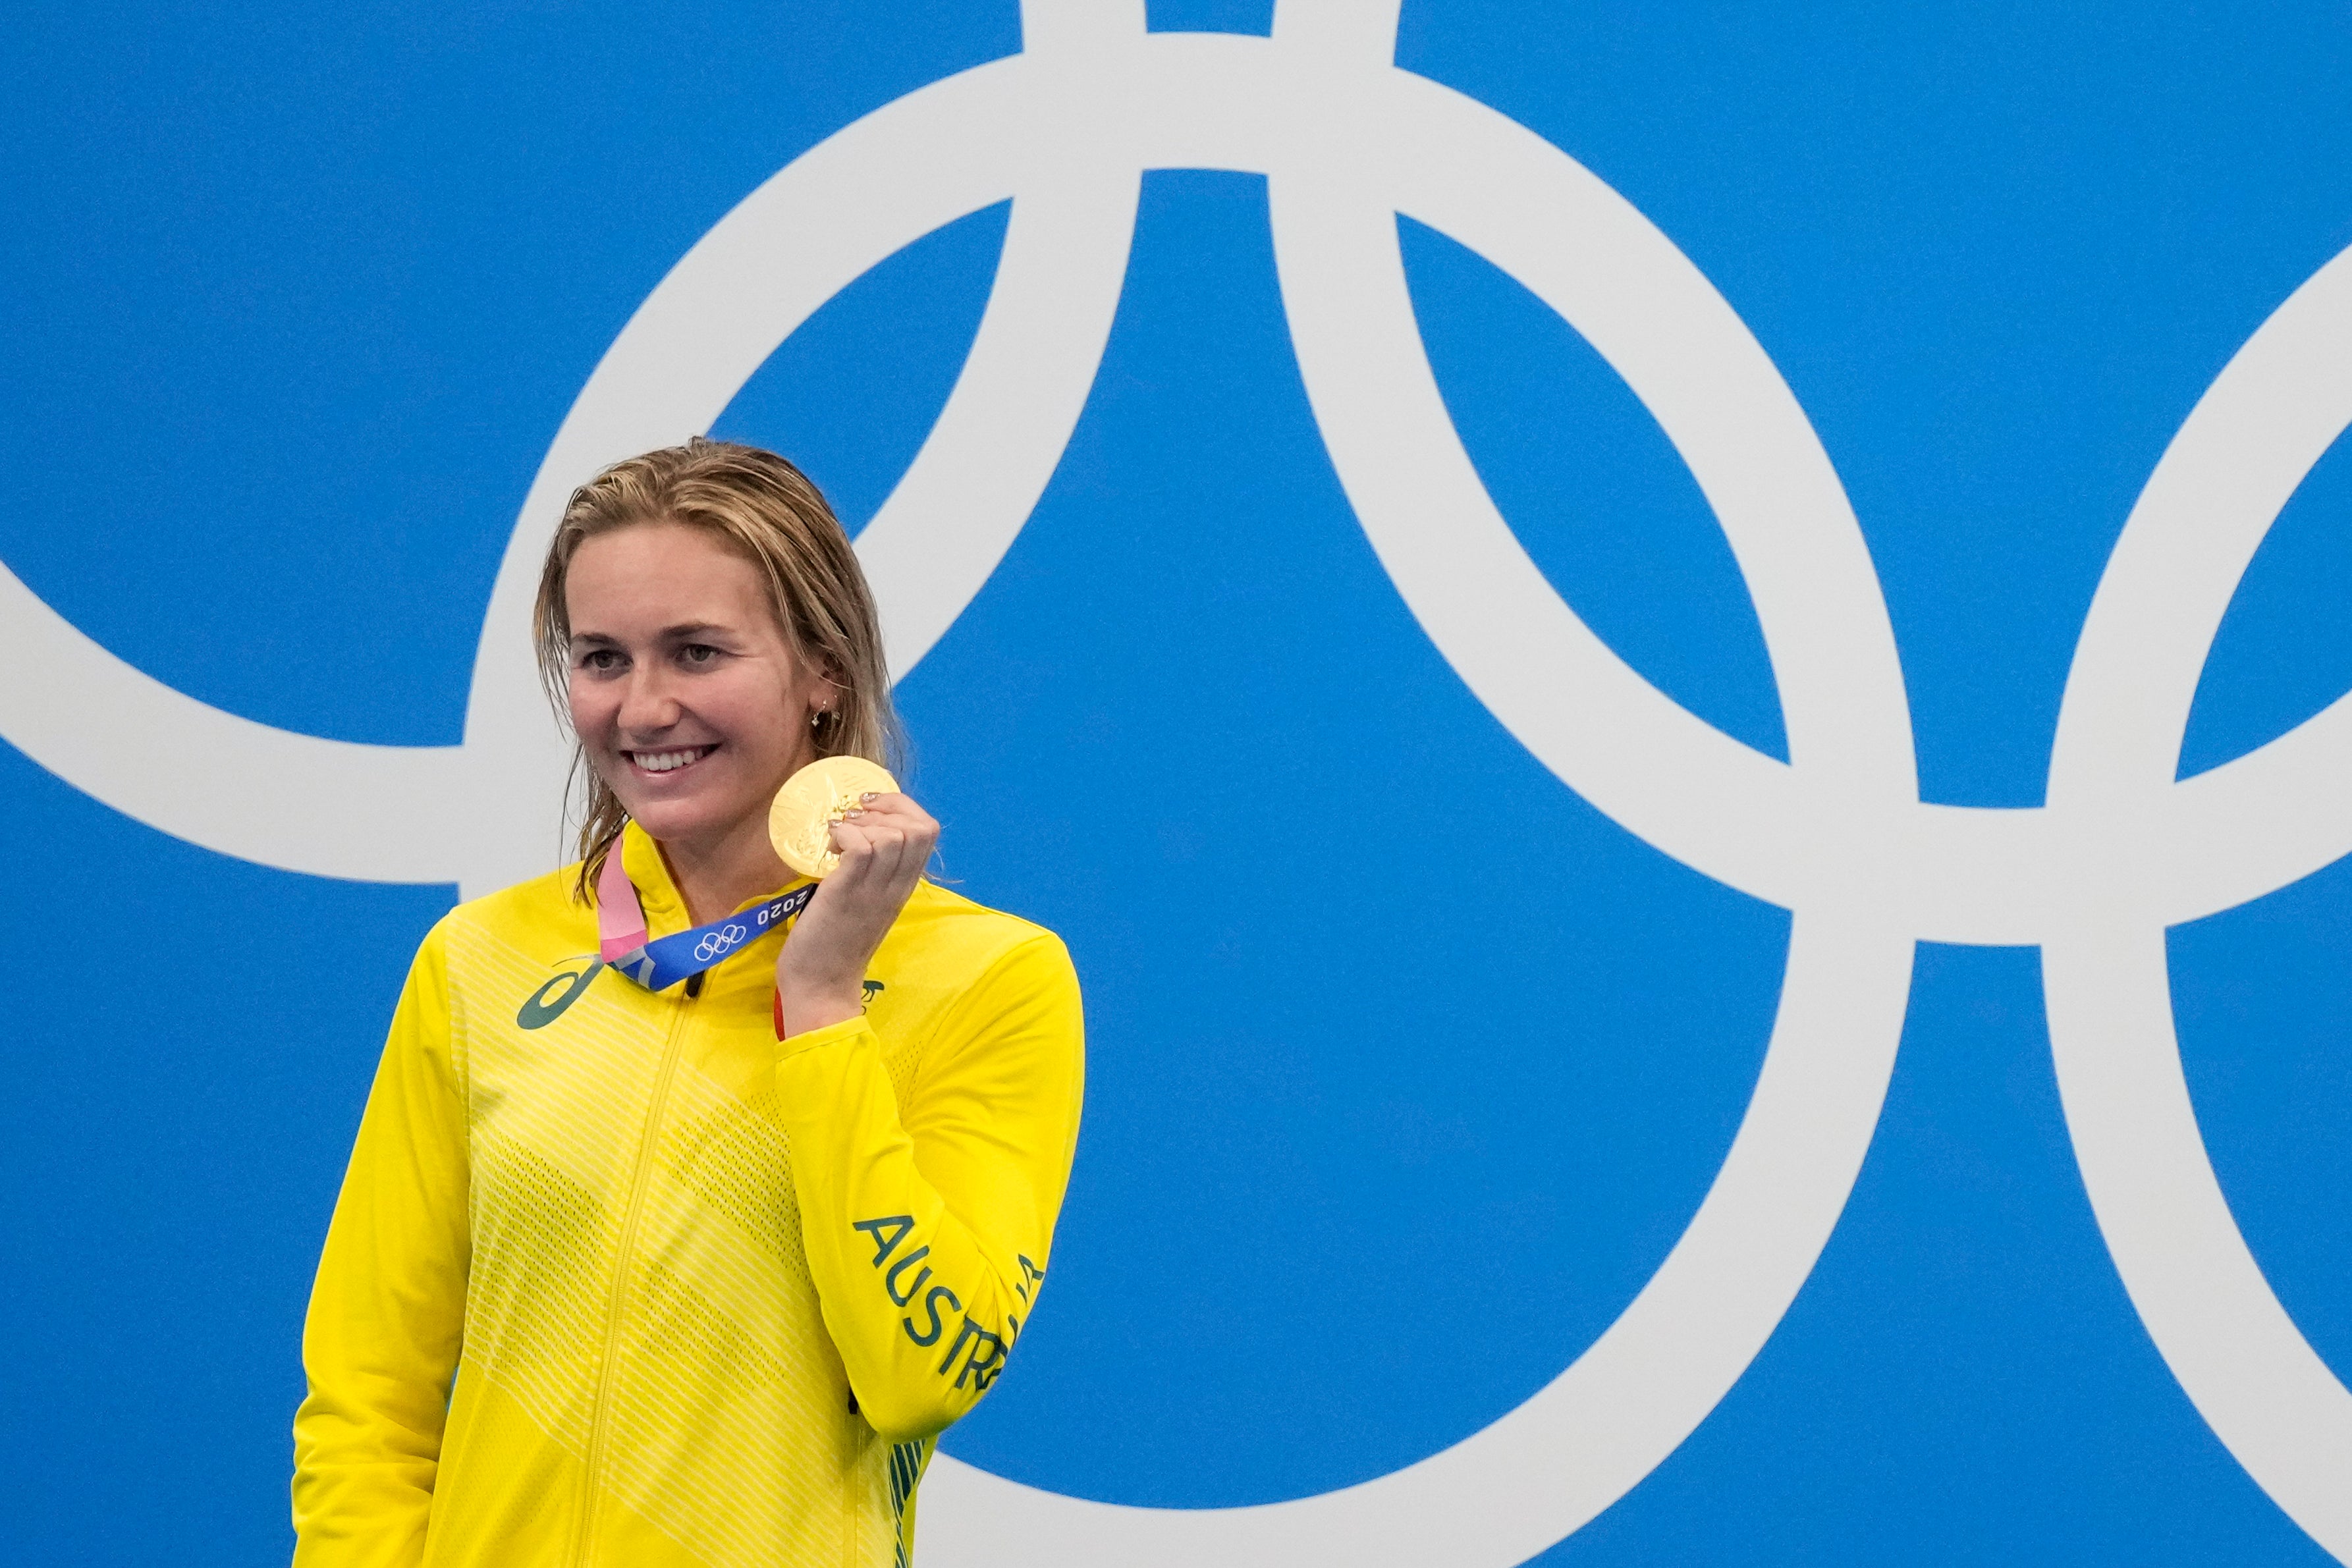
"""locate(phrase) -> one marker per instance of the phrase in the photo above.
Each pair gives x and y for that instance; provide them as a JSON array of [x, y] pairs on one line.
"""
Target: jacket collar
[[648, 873]]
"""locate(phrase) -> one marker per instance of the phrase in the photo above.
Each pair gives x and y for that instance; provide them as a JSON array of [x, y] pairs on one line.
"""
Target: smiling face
[[686, 699]]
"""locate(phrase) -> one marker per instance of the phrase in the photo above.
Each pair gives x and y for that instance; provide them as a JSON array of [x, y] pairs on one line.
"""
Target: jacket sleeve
[[381, 1342], [927, 1223]]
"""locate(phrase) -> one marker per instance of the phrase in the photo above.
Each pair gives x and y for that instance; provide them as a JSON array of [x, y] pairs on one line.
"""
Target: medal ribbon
[[657, 966]]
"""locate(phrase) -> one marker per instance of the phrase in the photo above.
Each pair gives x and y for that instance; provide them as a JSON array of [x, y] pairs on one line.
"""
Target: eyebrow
[[666, 634]]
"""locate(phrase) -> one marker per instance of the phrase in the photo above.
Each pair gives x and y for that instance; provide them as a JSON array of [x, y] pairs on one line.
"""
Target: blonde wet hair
[[767, 511]]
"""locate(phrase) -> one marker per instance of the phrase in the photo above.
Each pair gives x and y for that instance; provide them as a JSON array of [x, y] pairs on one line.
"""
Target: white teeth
[[664, 761]]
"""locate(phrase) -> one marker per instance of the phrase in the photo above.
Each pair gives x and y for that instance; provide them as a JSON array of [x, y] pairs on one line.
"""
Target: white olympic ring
[[1838, 834], [720, 941]]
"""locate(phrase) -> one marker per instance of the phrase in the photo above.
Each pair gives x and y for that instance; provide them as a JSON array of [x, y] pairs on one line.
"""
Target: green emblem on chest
[[545, 1004]]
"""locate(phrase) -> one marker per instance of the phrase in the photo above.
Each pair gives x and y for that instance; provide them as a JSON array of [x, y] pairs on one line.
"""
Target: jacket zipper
[[648, 1143]]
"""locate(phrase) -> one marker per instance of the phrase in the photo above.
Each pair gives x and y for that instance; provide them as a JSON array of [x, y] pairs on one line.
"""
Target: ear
[[826, 698], [832, 692]]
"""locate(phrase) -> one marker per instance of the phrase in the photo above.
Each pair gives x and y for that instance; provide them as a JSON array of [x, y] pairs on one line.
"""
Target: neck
[[719, 874]]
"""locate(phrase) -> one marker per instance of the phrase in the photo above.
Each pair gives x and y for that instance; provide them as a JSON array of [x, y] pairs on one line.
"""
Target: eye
[[602, 661], [698, 655]]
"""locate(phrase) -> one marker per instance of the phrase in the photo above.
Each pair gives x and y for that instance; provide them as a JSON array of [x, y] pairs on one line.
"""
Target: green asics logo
[[545, 1004]]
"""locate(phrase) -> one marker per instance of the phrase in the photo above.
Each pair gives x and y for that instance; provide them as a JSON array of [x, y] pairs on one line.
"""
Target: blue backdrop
[[1407, 1066]]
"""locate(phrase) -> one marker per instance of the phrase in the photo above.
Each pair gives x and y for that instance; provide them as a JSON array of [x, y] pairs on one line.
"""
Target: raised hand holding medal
[[802, 816], [841, 819]]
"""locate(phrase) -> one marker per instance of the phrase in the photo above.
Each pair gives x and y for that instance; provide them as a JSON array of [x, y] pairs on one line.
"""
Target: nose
[[648, 704]]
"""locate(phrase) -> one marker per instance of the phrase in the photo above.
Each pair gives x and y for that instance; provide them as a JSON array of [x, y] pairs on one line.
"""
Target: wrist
[[800, 1007]]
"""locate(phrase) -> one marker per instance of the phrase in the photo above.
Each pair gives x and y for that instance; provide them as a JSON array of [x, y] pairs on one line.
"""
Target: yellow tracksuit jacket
[[617, 1278]]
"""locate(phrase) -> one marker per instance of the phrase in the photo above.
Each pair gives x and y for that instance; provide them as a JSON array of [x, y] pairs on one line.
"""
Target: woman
[[691, 1275]]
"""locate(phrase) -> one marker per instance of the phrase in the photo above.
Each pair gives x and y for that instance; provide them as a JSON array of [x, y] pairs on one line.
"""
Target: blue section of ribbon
[[663, 963]]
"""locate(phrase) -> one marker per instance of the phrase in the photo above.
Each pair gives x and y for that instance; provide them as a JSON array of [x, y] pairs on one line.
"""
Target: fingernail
[[870, 795]]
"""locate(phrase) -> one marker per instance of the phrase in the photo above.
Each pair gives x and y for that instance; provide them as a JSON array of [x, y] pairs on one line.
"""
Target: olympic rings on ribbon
[[720, 942]]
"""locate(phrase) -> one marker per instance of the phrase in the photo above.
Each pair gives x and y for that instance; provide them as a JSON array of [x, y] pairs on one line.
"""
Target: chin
[[671, 820]]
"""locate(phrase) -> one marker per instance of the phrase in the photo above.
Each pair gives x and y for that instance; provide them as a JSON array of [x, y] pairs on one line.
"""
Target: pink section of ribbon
[[620, 918]]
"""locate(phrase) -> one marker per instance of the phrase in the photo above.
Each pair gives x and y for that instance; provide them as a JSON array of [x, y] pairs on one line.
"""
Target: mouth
[[668, 763]]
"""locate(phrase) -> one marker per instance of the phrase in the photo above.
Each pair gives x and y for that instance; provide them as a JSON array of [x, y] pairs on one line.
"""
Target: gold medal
[[800, 819]]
